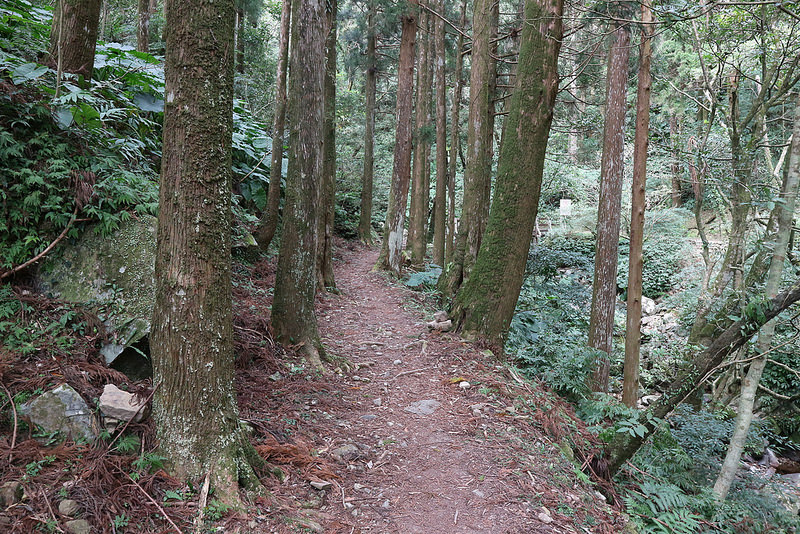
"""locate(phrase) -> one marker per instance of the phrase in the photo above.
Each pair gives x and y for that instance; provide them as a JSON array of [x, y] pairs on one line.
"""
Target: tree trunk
[[675, 167], [392, 243], [744, 412], [696, 372], [197, 420], [440, 213], [143, 26], [365, 218], [630, 382], [293, 316], [485, 304], [604, 289], [269, 220], [73, 36], [477, 173], [327, 198], [455, 141], [240, 41], [418, 210]]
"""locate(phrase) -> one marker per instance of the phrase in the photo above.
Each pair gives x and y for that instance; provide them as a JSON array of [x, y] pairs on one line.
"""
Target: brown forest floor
[[489, 458]]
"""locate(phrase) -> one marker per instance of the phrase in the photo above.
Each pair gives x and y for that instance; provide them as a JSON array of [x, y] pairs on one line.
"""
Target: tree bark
[[704, 363], [675, 167], [293, 318], [630, 381], [73, 36], [327, 203], [240, 40], [455, 141], [269, 220], [485, 304], [419, 181], [477, 173], [392, 244], [365, 217], [440, 201], [744, 412], [143, 26], [197, 420], [604, 288]]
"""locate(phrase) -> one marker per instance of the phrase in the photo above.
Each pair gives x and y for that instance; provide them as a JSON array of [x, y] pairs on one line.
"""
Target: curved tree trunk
[[365, 217], [440, 201], [604, 288], [327, 197], [392, 243], [293, 316], [269, 220], [630, 381], [197, 419], [485, 304], [744, 412], [73, 36]]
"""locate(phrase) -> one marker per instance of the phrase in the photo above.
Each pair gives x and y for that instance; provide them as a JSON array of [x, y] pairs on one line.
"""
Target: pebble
[[479, 493], [321, 485], [464, 385], [398, 362], [377, 401], [368, 417], [69, 508]]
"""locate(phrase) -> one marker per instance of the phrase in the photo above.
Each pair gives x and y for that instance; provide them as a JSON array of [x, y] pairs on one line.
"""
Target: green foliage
[[425, 279], [147, 463], [120, 521], [216, 510], [128, 444]]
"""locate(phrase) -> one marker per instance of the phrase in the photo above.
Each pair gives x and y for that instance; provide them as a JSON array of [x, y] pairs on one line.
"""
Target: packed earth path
[[428, 437]]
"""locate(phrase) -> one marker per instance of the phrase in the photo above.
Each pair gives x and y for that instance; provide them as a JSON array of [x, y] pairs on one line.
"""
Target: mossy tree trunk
[[365, 216], [269, 220], [477, 173], [195, 411], [485, 304], [327, 198], [293, 316], [418, 209], [630, 381], [73, 36], [440, 200], [240, 19], [604, 288], [392, 244], [697, 371]]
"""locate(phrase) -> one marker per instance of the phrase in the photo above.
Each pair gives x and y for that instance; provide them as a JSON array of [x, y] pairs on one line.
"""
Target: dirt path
[[423, 445]]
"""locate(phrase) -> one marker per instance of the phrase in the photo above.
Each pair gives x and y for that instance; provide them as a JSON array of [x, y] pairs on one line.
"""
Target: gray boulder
[[116, 271], [62, 410]]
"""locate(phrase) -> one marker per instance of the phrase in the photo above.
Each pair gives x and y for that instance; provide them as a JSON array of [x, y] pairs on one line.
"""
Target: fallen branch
[[43, 253], [152, 500], [411, 372], [14, 433]]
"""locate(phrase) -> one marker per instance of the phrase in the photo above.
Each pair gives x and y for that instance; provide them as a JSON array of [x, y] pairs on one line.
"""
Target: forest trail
[[419, 451]]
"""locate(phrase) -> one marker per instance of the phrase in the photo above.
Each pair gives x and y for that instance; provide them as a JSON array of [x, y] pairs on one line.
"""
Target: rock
[[423, 407], [386, 504], [440, 316], [121, 405], [69, 508], [464, 385], [478, 493], [544, 517], [377, 401], [368, 417], [648, 306], [10, 494], [62, 410], [311, 525], [346, 453], [116, 271], [321, 485], [6, 523], [440, 326], [647, 400], [78, 526], [398, 362]]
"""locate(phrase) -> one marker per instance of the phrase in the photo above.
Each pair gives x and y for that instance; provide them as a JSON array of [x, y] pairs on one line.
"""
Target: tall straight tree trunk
[[392, 243], [485, 304], [197, 419], [143, 26], [675, 167], [440, 201], [327, 197], [240, 18], [365, 217], [293, 316], [744, 412], [477, 174], [269, 220], [630, 382], [73, 36], [604, 290], [455, 141], [418, 210]]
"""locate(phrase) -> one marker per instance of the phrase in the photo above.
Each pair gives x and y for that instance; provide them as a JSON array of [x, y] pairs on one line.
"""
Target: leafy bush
[[425, 279]]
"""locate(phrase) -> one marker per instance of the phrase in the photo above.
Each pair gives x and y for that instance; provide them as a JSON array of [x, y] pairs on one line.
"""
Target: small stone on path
[[10, 494], [423, 407], [78, 526], [321, 485], [69, 508], [345, 453]]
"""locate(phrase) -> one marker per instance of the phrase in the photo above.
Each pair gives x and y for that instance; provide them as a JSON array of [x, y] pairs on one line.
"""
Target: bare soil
[[411, 431]]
